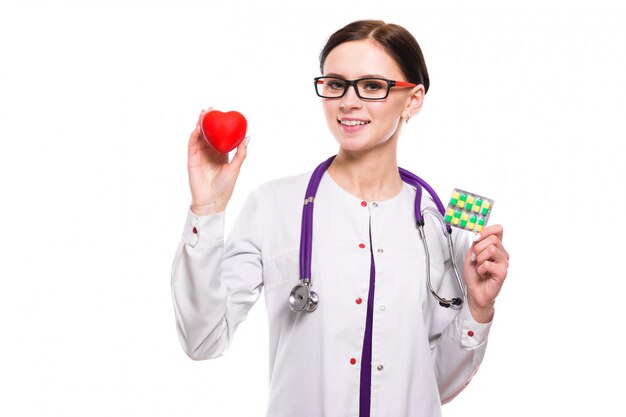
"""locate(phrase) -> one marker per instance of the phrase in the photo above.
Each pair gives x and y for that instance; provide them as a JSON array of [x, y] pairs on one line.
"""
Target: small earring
[[406, 120]]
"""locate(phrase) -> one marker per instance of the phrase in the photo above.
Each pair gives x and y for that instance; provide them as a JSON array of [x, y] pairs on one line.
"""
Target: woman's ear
[[415, 101]]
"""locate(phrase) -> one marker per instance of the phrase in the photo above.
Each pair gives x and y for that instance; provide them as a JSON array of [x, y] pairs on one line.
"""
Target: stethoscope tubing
[[306, 236], [414, 180]]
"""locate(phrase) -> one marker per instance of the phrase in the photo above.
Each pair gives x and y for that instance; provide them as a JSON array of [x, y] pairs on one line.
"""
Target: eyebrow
[[332, 74]]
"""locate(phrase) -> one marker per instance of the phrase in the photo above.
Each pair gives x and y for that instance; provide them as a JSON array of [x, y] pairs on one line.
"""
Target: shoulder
[[285, 193], [288, 184], [285, 184]]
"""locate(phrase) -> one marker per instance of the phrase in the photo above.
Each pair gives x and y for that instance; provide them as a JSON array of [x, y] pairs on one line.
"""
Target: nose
[[350, 100]]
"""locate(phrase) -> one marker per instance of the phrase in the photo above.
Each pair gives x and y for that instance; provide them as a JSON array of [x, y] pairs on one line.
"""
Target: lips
[[352, 126], [352, 122]]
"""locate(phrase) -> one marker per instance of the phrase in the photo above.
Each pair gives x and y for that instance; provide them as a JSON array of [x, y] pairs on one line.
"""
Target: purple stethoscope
[[303, 298]]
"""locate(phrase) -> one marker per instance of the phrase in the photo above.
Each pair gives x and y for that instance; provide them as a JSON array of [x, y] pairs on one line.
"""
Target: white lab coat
[[422, 354]]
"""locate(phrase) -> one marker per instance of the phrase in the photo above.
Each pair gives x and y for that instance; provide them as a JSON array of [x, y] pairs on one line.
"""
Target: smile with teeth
[[353, 122]]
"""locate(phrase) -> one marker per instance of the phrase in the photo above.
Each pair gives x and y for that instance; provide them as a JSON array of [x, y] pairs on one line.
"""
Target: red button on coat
[[352, 361], [470, 333], [358, 300], [361, 245], [364, 203], [195, 230]]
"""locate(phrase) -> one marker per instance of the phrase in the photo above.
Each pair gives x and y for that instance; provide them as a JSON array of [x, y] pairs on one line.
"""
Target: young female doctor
[[377, 343]]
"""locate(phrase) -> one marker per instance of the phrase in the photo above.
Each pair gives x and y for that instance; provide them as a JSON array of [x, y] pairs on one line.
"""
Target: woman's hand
[[211, 178], [486, 265]]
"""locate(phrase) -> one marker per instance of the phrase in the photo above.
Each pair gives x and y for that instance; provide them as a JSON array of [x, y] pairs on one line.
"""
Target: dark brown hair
[[396, 40]]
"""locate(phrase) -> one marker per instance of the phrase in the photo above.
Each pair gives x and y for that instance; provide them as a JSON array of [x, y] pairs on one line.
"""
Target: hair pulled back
[[396, 40]]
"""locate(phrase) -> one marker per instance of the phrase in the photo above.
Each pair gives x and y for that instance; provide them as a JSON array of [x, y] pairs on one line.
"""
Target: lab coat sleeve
[[214, 285], [458, 342]]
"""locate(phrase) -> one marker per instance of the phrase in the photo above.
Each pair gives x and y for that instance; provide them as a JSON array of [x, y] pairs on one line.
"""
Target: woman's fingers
[[491, 239], [240, 155], [487, 266], [495, 230], [492, 254], [494, 271], [195, 135]]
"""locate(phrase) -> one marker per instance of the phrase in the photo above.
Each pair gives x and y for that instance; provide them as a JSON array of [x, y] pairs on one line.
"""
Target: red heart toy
[[224, 131]]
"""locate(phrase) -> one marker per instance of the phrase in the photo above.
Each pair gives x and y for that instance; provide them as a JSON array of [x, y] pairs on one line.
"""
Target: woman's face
[[359, 59]]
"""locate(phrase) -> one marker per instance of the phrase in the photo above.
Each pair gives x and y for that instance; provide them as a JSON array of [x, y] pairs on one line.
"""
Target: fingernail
[[477, 237], [473, 257], [247, 140]]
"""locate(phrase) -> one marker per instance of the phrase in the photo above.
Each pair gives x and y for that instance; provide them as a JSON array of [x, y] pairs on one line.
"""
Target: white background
[[97, 100]]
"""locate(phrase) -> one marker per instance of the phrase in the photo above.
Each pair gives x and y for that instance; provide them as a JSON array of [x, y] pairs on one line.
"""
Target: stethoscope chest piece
[[302, 298]]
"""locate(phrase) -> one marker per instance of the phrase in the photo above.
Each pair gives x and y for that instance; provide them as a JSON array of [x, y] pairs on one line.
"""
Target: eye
[[335, 84], [374, 85]]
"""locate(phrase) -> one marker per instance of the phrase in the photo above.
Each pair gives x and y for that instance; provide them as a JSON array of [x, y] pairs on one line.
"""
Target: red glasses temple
[[404, 84]]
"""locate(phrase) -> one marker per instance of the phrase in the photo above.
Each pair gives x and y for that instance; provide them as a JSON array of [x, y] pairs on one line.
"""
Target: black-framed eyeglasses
[[366, 88]]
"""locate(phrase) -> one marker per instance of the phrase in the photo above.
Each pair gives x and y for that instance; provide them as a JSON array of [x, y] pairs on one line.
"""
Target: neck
[[371, 175]]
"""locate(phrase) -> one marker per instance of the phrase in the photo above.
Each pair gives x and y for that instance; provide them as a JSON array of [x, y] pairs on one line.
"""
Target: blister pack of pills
[[468, 211]]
